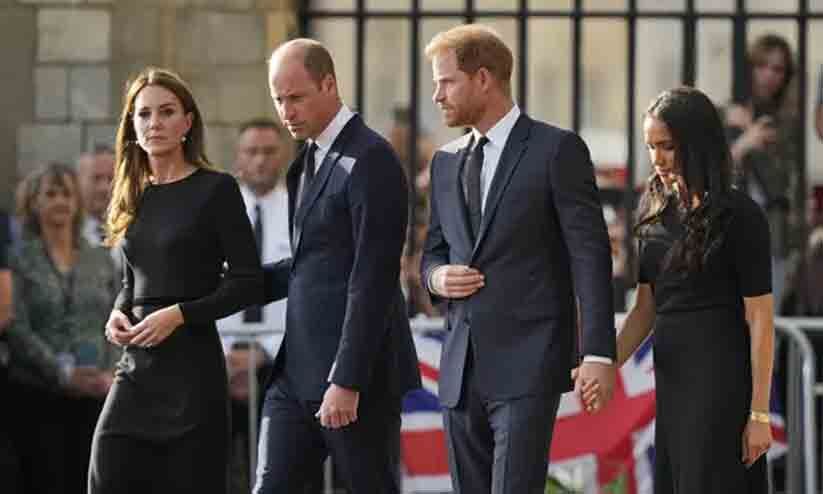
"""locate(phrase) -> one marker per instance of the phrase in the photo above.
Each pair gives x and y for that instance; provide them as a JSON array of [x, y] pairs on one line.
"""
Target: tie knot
[[481, 142]]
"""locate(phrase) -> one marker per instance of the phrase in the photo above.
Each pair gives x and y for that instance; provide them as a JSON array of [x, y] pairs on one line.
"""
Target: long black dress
[[702, 355], [165, 423]]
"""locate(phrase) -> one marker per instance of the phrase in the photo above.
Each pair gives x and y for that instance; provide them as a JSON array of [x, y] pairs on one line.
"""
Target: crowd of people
[[125, 280]]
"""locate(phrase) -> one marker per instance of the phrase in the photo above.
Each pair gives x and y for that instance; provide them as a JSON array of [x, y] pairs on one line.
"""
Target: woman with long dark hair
[[704, 288], [178, 222]]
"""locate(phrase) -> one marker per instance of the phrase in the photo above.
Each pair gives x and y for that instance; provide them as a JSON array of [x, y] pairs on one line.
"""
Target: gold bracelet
[[761, 417]]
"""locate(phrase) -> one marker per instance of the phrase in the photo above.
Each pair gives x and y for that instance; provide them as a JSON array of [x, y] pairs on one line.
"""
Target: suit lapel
[[513, 151], [461, 212], [293, 185], [311, 194]]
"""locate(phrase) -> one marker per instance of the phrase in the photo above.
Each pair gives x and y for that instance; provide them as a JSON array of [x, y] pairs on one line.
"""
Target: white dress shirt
[[274, 208], [325, 140]]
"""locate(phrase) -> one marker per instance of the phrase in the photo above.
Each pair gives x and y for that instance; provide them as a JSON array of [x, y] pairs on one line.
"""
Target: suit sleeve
[[242, 284], [436, 249], [276, 280], [580, 213], [377, 195]]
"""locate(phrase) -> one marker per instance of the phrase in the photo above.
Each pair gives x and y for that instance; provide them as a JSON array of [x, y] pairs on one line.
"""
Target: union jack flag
[[609, 452]]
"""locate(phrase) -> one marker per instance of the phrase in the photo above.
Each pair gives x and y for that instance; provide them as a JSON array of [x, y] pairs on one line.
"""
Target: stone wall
[[67, 62]]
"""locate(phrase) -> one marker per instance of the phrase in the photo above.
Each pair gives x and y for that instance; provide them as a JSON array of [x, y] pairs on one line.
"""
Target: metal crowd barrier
[[802, 390], [801, 393]]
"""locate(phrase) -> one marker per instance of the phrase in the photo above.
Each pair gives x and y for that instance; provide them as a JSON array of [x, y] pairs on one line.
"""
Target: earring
[[183, 139]]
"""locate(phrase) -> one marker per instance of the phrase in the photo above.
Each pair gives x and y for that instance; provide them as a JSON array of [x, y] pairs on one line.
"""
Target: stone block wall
[[67, 63]]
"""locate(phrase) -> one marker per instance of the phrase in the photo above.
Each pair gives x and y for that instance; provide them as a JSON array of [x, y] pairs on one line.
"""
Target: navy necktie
[[473, 190], [254, 313], [310, 166]]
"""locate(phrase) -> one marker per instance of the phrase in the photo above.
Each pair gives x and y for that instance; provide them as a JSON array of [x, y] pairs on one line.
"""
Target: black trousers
[[10, 469], [51, 435], [293, 445], [499, 446]]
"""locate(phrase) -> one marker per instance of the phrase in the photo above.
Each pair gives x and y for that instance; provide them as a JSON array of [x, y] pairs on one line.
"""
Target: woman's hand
[[757, 438], [118, 328], [588, 391], [156, 327]]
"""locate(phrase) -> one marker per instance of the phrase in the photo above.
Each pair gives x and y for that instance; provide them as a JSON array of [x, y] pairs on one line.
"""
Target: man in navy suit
[[347, 356], [517, 236]]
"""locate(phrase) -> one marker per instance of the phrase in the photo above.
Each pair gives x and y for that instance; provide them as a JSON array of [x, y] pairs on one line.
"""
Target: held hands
[[594, 383], [151, 331], [339, 407], [757, 438], [456, 280]]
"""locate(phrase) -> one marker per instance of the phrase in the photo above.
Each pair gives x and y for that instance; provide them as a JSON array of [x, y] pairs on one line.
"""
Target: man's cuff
[[597, 359]]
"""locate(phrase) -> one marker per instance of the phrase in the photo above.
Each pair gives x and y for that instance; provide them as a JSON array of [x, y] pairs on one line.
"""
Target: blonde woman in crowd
[[58, 359]]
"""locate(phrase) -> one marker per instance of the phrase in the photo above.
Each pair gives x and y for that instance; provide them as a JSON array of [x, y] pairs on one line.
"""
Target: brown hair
[[261, 123], [131, 169], [476, 46], [30, 187], [759, 50]]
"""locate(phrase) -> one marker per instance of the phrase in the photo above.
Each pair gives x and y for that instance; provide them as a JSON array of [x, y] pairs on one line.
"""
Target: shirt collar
[[330, 133], [500, 131]]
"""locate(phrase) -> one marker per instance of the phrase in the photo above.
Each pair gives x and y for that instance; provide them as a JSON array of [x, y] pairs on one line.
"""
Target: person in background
[[6, 312], [189, 258], [704, 288], [9, 462], [818, 113], [60, 364], [95, 171], [762, 130], [263, 152], [417, 298]]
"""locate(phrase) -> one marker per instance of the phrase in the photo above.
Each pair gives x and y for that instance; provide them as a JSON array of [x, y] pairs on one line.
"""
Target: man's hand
[[86, 381], [594, 382], [339, 407], [456, 280], [237, 363]]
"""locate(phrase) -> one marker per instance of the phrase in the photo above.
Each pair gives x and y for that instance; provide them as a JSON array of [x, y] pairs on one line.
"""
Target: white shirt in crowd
[[274, 208]]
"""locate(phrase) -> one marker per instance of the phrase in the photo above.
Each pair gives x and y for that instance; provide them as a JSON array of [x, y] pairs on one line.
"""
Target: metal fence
[[801, 414]]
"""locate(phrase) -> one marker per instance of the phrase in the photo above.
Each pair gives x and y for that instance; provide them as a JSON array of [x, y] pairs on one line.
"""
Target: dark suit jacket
[[542, 241], [346, 319]]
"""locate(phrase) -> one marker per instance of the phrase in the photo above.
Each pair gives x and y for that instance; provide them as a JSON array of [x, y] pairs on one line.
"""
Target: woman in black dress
[[705, 288], [165, 424]]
